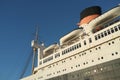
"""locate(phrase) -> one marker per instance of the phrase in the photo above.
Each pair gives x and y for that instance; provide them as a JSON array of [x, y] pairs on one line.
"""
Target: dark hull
[[106, 71]]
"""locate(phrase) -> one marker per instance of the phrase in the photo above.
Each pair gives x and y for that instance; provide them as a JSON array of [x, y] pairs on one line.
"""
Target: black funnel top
[[90, 11]]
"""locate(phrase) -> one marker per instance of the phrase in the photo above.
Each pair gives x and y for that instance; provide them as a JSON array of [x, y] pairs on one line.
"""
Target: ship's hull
[[105, 71]]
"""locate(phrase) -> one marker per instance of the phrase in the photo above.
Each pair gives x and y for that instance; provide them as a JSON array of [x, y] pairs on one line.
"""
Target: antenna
[[37, 32]]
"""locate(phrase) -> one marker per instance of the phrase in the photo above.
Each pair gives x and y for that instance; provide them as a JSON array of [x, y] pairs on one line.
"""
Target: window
[[116, 29], [48, 59], [63, 52], [90, 40], [112, 30], [105, 33], [108, 31], [102, 35], [84, 42], [119, 26], [57, 55], [96, 37], [79, 44], [75, 46], [72, 47], [66, 51], [40, 63]]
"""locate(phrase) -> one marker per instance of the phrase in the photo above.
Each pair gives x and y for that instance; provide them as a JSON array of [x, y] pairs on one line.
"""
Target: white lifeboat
[[70, 36], [111, 14], [49, 49]]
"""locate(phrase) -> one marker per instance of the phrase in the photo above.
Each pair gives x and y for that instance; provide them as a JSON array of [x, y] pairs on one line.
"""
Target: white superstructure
[[80, 49]]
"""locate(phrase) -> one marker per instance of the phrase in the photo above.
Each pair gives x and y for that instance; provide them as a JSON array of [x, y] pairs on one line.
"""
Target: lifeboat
[[106, 17], [70, 36], [49, 50]]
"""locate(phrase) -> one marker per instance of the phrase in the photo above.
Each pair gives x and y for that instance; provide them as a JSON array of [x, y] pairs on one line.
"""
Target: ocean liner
[[90, 52]]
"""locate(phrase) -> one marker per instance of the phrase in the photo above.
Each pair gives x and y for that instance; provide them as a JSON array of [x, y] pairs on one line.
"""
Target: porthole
[[86, 62], [79, 65], [92, 60], [71, 67], [99, 47], [112, 42], [83, 63], [116, 53], [101, 57], [75, 57], [90, 50], [98, 58], [112, 54], [64, 69], [76, 65], [96, 48]]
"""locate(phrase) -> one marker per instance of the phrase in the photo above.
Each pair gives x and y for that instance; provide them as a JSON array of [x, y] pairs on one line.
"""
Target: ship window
[[105, 33], [119, 26], [57, 55], [84, 42], [90, 40], [90, 50], [108, 31], [102, 35], [116, 53], [112, 42], [66, 51], [112, 54], [48, 59], [116, 29], [63, 52], [79, 44], [92, 60], [72, 48], [101, 57], [96, 38], [112, 30], [40, 63], [75, 46]]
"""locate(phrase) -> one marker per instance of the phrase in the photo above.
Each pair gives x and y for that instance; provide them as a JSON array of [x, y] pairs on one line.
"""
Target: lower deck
[[106, 71]]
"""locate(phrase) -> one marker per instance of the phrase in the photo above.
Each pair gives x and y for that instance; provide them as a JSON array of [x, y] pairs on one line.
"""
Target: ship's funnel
[[89, 14]]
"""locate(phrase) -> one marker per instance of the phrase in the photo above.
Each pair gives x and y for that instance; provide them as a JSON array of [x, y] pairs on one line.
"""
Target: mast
[[34, 45]]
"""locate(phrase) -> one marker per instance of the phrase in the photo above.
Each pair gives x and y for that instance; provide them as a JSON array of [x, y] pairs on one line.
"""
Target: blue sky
[[18, 18]]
